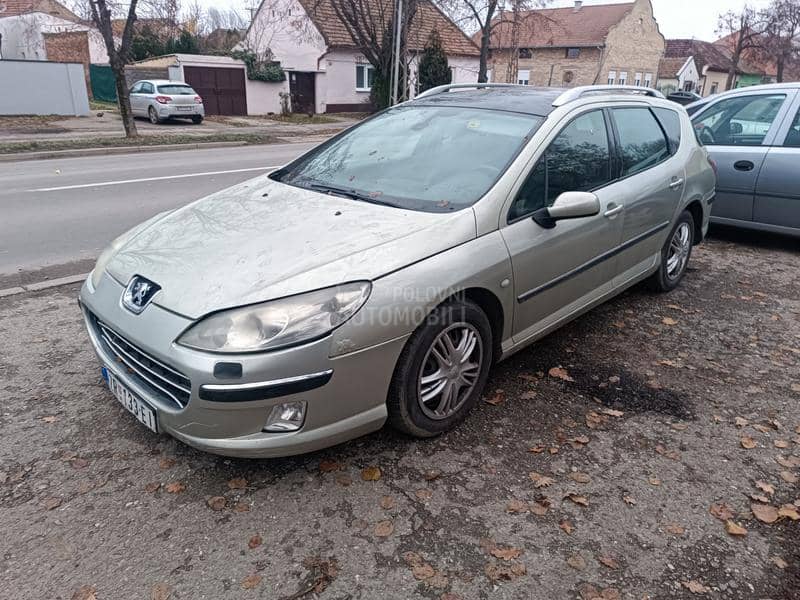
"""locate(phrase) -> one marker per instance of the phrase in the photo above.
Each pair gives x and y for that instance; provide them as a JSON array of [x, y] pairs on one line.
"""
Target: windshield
[[176, 90], [430, 158]]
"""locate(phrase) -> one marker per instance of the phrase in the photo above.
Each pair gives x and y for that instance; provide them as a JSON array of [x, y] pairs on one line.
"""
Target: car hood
[[262, 240]]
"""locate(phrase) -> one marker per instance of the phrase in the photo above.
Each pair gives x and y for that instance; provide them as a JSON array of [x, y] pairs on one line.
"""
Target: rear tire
[[675, 255], [442, 370], [153, 116], [197, 119]]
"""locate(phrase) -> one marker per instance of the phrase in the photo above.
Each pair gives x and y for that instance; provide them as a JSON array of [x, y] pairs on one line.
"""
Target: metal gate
[[222, 90]]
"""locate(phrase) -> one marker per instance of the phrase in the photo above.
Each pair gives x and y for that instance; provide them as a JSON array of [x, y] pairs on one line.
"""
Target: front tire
[[442, 370], [675, 255]]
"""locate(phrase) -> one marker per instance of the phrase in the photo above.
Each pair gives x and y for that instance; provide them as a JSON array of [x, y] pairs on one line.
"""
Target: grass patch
[[100, 105], [297, 119], [146, 140]]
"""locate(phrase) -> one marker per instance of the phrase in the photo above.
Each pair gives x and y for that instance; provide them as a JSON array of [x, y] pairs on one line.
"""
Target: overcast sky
[[676, 18]]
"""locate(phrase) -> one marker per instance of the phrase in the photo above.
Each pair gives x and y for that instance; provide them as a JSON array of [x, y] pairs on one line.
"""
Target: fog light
[[288, 416]]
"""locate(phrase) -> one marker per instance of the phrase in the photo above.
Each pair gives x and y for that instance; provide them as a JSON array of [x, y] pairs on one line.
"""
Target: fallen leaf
[[734, 529], [674, 529], [595, 420], [628, 500], [251, 581], [789, 511], [79, 463], [790, 462], [51, 503], [216, 503], [50, 419], [671, 454], [669, 321], [238, 483], [343, 479], [384, 528], [764, 512], [432, 475], [371, 474], [241, 507], [539, 508], [497, 572], [387, 502], [529, 395], [167, 462], [761, 428], [608, 561], [566, 526], [85, 592], [424, 494], [539, 480], [580, 477], [577, 499], [612, 413], [497, 399], [748, 442], [654, 481], [516, 507], [765, 487], [152, 488], [759, 498], [779, 562], [160, 591], [176, 487], [696, 587], [412, 559], [508, 553], [789, 477], [577, 562], [538, 449], [254, 542], [560, 373], [781, 444], [438, 581], [610, 594], [423, 571], [721, 511], [328, 466], [741, 422], [579, 442]]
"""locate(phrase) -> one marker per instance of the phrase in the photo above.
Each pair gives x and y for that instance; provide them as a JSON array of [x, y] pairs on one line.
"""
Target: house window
[[714, 87], [623, 77], [364, 77], [489, 74], [573, 52], [523, 77], [452, 74], [637, 80], [648, 80], [612, 77], [525, 53], [688, 86]]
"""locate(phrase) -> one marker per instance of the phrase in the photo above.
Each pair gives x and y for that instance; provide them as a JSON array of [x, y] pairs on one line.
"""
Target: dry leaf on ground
[[51, 503], [251, 581], [167, 462], [423, 571], [721, 511], [254, 542], [765, 487], [217, 503], [696, 587], [674, 529], [781, 444], [577, 562], [85, 592], [560, 373], [566, 526], [669, 321], [629, 500], [371, 474], [612, 412], [506, 553], [329, 466], [765, 513], [741, 422], [789, 511], [734, 529], [579, 477], [748, 443], [238, 483], [497, 572], [608, 561], [152, 488], [779, 562], [516, 507], [539, 480], [539, 508], [577, 499], [384, 528], [789, 477], [497, 399], [344, 480], [387, 502], [176, 487], [160, 591]]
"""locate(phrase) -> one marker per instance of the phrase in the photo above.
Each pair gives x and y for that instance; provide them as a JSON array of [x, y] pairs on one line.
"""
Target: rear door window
[[671, 123], [578, 160], [739, 121], [641, 140]]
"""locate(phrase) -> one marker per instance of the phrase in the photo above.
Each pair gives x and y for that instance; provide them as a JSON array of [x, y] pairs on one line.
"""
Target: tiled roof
[[705, 54], [668, 67], [14, 8], [426, 19], [559, 27]]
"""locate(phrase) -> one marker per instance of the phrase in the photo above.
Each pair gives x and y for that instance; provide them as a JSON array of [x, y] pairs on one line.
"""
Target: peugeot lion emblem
[[139, 293]]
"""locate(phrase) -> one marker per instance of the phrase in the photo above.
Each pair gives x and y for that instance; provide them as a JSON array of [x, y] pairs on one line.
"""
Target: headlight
[[278, 323]]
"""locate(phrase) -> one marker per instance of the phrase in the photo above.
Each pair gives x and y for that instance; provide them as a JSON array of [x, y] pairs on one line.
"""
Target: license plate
[[138, 408], [185, 108]]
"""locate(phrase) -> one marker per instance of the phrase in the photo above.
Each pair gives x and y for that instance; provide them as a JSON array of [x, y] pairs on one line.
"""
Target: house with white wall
[[678, 74], [325, 69], [30, 30]]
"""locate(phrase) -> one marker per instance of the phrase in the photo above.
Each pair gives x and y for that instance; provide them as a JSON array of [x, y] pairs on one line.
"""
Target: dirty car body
[[380, 275]]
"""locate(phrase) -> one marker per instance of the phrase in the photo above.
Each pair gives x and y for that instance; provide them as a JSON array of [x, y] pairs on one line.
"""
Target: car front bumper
[[345, 395]]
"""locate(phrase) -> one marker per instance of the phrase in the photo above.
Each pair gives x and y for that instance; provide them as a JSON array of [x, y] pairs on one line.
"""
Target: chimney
[[578, 5]]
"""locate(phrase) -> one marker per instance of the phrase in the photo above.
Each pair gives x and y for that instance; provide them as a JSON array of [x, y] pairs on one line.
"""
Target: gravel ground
[[618, 458]]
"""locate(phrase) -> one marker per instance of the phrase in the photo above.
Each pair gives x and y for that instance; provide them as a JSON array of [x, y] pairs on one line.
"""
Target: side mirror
[[569, 205]]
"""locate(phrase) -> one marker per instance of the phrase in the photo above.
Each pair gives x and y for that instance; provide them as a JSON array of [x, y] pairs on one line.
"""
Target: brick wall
[[551, 67], [635, 45], [69, 46]]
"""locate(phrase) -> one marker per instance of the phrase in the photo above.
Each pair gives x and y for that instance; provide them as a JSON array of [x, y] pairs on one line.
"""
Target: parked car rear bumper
[[173, 111]]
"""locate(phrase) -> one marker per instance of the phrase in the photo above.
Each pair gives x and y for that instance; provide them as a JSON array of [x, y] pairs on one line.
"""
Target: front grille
[[163, 381]]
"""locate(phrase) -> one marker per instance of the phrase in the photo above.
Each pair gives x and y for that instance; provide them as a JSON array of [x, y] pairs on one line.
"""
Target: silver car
[[161, 99], [753, 134], [381, 274]]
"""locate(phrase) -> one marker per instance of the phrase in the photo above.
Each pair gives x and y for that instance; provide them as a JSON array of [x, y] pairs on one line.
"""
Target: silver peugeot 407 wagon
[[378, 276]]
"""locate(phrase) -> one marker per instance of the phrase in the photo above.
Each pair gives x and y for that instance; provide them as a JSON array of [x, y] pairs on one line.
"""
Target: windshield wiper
[[349, 193]]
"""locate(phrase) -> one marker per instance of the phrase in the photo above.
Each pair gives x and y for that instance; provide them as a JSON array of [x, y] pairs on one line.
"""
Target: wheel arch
[[695, 209]]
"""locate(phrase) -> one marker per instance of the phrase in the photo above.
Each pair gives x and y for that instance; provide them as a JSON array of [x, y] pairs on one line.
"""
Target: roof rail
[[587, 90], [461, 86]]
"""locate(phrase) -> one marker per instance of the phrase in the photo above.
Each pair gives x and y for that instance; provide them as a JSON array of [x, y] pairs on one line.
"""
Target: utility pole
[[396, 54]]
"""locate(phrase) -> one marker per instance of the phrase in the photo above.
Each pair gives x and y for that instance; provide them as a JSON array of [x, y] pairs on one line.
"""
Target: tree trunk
[[780, 64], [124, 102], [486, 35]]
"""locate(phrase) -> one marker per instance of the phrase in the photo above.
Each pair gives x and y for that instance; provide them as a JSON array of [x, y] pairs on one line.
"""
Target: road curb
[[43, 285], [47, 154]]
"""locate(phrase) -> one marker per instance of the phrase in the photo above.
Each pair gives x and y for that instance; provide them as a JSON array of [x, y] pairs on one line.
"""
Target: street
[[61, 213], [624, 456]]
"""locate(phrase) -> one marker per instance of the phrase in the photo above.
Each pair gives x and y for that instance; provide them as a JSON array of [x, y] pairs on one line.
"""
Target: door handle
[[676, 184], [613, 210], [744, 165]]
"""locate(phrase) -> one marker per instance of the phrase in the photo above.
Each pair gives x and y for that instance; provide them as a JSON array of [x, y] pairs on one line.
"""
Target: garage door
[[222, 90]]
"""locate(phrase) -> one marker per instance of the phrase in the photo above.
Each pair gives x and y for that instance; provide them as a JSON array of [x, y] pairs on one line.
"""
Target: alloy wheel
[[450, 370], [679, 248]]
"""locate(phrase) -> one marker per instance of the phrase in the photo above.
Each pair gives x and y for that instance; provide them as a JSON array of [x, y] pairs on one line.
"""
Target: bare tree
[[743, 33], [781, 40], [371, 25]]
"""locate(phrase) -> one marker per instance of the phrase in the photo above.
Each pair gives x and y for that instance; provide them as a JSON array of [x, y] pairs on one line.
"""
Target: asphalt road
[[62, 212]]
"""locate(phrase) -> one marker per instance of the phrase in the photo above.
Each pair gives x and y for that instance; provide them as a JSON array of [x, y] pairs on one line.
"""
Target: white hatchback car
[[162, 99]]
